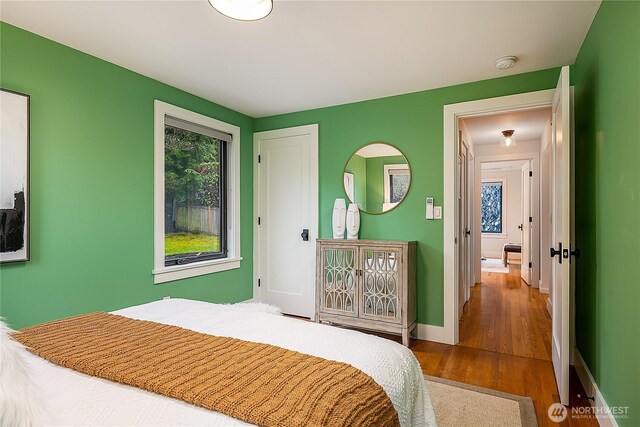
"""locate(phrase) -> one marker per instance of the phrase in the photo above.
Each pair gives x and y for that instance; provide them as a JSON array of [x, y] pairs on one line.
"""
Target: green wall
[[606, 76], [92, 186], [375, 180], [413, 123]]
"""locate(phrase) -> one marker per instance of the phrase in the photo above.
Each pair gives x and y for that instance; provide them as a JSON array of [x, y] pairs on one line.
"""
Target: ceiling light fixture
[[508, 140], [243, 10], [506, 62]]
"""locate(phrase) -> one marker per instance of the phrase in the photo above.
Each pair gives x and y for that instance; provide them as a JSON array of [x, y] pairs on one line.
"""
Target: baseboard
[[431, 333], [543, 287], [549, 307], [602, 410], [249, 300]]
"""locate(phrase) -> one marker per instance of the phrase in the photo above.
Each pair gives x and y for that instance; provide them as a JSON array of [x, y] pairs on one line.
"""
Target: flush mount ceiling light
[[506, 62], [243, 10], [508, 140]]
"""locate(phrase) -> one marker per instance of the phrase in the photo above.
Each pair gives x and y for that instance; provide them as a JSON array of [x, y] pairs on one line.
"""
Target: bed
[[78, 399]]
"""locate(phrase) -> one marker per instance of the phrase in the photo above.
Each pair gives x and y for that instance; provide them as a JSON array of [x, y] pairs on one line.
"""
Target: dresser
[[367, 284]]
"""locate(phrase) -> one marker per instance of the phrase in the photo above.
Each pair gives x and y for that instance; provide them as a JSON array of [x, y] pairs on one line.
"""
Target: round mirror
[[377, 177]]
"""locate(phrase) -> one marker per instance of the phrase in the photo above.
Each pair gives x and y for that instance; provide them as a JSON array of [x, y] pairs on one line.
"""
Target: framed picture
[[14, 176], [349, 186]]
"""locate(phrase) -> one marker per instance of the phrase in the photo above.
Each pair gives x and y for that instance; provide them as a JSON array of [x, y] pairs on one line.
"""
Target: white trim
[[165, 274], [452, 113], [311, 130], [431, 332], [404, 170], [603, 411], [549, 307], [543, 287]]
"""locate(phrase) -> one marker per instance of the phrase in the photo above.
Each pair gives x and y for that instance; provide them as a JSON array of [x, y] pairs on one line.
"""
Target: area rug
[[493, 265], [459, 405]]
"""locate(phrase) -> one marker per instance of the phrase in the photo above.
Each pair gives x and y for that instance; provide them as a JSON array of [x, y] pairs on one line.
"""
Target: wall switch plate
[[437, 212]]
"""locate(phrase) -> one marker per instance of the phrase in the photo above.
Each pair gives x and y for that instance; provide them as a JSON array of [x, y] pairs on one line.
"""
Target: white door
[[462, 232], [286, 204], [560, 231], [527, 223]]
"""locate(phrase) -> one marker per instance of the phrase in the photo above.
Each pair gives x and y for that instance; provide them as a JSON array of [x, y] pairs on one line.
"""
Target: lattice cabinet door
[[382, 286], [338, 274]]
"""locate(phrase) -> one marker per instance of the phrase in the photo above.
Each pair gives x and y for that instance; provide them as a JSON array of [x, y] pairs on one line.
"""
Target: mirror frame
[[344, 169]]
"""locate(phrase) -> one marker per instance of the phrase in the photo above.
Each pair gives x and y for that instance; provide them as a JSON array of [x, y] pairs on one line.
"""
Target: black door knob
[[558, 252], [305, 234]]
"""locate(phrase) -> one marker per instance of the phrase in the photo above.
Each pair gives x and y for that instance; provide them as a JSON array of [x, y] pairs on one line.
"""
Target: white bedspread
[[78, 399]]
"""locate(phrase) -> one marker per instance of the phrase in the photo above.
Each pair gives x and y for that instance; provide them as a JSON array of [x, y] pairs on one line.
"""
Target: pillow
[[20, 407]]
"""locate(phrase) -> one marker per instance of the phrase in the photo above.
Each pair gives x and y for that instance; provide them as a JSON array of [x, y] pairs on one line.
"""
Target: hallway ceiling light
[[243, 10], [508, 140], [506, 62]]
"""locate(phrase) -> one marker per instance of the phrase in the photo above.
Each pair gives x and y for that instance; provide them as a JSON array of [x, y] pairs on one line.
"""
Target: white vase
[[353, 221], [339, 218]]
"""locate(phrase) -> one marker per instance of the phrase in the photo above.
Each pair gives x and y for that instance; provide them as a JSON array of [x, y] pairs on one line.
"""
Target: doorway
[[286, 218], [561, 139], [505, 304]]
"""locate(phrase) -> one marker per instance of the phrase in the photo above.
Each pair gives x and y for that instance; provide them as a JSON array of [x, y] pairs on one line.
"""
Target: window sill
[[494, 235], [177, 272]]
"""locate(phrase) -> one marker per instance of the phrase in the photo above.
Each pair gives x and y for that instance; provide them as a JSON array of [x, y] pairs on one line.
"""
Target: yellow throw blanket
[[258, 383]]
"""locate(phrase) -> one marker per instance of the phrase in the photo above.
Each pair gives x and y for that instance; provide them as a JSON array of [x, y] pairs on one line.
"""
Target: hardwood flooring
[[506, 315], [504, 345]]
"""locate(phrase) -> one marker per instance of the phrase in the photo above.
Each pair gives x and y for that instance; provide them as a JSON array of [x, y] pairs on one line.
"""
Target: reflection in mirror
[[377, 177]]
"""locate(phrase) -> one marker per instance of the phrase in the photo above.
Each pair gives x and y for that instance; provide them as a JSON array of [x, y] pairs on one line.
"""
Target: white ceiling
[[528, 125], [309, 54], [378, 150]]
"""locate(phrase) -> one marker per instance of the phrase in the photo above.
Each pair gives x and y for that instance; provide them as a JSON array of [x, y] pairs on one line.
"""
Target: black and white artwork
[[14, 176]]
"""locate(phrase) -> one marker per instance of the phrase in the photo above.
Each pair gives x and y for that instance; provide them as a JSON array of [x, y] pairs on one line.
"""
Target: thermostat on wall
[[429, 207]]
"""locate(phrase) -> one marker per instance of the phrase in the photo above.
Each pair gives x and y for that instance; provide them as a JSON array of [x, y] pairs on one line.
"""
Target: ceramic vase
[[353, 221], [339, 218]]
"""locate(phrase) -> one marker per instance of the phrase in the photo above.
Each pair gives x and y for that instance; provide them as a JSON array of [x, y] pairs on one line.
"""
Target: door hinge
[[258, 220], [530, 265], [530, 219], [258, 282], [259, 158]]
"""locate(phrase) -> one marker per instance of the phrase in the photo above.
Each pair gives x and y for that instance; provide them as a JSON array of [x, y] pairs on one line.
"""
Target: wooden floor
[[504, 345]]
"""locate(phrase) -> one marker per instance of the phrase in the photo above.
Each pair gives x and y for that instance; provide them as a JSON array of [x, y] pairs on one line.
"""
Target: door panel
[[463, 227], [525, 271], [560, 229], [381, 284], [339, 281], [287, 188]]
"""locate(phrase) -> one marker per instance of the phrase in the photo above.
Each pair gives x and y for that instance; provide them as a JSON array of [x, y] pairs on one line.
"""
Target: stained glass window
[[492, 207]]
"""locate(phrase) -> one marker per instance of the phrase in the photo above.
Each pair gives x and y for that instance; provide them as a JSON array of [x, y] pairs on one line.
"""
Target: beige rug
[[493, 265], [457, 404]]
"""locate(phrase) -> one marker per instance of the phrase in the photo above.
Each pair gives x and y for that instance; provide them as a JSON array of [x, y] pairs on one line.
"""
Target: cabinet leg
[[405, 337]]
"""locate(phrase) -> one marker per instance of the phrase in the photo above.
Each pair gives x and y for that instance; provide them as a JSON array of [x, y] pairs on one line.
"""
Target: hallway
[[504, 345], [507, 316]]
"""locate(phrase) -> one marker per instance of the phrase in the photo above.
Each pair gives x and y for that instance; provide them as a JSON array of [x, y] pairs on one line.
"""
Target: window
[[492, 207], [196, 200], [396, 183]]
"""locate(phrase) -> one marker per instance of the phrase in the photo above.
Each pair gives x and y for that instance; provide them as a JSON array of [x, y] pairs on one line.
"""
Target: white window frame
[[404, 169], [162, 273], [504, 233]]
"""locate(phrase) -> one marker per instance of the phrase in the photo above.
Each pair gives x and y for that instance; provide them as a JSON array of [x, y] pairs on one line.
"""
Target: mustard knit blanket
[[258, 383]]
